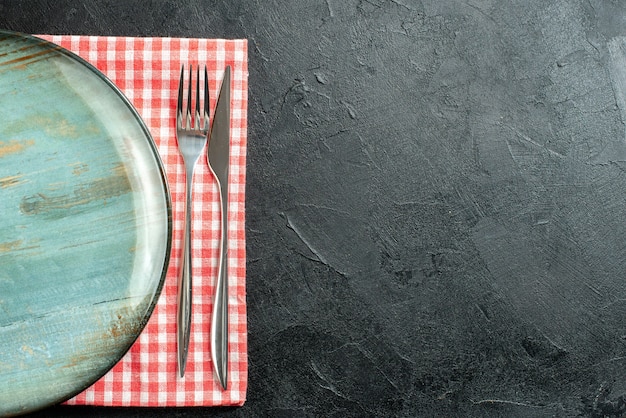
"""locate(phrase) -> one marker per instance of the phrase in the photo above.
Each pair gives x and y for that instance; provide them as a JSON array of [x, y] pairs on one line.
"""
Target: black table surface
[[435, 200]]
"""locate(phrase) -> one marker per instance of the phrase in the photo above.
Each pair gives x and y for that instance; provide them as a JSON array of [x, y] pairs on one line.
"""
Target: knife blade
[[219, 157]]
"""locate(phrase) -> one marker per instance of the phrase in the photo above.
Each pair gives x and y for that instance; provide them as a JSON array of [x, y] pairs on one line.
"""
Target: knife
[[219, 157]]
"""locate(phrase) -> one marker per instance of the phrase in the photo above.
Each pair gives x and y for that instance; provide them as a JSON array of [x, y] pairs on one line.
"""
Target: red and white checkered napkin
[[147, 70]]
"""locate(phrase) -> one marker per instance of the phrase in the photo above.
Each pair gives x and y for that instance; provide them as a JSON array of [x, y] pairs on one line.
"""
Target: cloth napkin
[[147, 70]]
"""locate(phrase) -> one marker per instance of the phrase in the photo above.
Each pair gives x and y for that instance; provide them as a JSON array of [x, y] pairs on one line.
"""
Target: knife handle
[[219, 319]]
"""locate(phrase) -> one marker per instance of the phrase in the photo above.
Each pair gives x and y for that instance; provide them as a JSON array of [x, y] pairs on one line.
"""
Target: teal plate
[[85, 224]]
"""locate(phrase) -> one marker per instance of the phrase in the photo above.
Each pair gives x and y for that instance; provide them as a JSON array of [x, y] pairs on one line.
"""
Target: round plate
[[85, 227]]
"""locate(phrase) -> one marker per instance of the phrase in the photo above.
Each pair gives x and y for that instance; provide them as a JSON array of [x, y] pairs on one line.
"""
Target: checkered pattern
[[146, 70]]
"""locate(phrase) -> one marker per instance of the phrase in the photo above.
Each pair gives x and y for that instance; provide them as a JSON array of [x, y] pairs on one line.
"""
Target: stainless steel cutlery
[[191, 132], [219, 156]]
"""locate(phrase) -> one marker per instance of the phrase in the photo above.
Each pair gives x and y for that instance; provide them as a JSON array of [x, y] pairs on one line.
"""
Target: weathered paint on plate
[[85, 224]]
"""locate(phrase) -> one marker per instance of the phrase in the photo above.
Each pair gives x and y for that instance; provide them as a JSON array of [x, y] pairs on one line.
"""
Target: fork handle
[[219, 319], [183, 318]]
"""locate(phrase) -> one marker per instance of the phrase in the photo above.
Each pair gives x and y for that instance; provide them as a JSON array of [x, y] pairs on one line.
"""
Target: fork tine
[[206, 100], [188, 116], [179, 106], [197, 114]]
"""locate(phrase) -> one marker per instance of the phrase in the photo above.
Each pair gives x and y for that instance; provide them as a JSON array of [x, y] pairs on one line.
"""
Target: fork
[[191, 134]]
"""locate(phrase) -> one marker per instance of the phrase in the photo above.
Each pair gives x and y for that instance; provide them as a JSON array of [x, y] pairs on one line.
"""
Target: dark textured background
[[436, 200]]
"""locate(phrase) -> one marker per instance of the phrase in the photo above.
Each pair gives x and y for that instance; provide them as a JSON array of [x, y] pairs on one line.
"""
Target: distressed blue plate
[[85, 224]]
